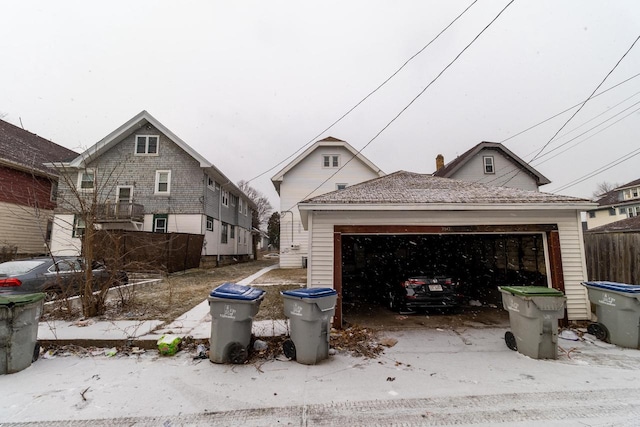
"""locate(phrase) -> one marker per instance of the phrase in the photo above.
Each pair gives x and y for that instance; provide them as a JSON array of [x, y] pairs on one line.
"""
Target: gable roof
[[413, 188], [450, 168], [139, 120], [136, 122], [326, 142], [20, 149], [623, 226], [402, 191], [614, 197]]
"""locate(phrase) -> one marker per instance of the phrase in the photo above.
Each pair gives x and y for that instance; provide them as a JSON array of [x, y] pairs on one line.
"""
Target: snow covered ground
[[430, 377]]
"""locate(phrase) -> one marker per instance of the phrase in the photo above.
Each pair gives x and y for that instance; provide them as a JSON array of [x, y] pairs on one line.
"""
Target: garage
[[378, 232]]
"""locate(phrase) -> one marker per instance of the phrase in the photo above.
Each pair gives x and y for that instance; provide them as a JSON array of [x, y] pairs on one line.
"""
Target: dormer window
[[488, 165], [147, 145], [631, 193], [331, 161]]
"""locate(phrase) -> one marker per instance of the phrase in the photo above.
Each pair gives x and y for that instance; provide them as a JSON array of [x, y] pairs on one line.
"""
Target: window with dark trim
[[78, 226], [488, 164], [232, 231], [147, 145], [209, 223], [160, 223], [224, 235]]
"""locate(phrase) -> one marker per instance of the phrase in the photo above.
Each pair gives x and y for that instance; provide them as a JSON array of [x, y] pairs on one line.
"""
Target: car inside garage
[[374, 264]]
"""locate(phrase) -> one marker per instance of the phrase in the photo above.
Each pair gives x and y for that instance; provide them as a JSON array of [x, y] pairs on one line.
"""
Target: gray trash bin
[[618, 312], [310, 311], [533, 315], [19, 317], [232, 309]]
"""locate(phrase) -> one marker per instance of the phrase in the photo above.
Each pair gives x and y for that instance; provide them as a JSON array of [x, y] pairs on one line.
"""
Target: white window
[[147, 145], [225, 198], [330, 161], [86, 180], [209, 223], [124, 194], [240, 205], [160, 223], [54, 191], [341, 186], [211, 183], [234, 200], [163, 182], [488, 164]]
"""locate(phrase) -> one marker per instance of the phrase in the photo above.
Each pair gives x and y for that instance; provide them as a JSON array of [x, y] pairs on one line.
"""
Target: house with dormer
[[144, 177], [329, 164], [491, 163], [620, 203]]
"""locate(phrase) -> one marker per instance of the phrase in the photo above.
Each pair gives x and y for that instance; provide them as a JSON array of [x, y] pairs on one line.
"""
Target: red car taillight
[[10, 282]]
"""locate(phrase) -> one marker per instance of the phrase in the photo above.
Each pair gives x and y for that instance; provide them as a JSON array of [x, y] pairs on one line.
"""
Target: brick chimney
[[439, 162]]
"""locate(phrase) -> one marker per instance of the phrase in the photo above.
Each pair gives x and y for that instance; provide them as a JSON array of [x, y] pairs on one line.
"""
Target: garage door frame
[[551, 231]]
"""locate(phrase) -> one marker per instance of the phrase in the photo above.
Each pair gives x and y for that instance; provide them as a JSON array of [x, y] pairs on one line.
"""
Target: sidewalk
[[144, 334]]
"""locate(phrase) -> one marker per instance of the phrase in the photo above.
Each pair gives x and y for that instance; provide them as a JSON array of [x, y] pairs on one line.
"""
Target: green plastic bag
[[168, 345]]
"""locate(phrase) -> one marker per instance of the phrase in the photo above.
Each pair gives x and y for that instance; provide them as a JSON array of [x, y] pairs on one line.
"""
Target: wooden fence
[[142, 250], [613, 257]]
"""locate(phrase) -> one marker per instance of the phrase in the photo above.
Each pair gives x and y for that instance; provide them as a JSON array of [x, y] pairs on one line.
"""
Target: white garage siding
[[321, 226]]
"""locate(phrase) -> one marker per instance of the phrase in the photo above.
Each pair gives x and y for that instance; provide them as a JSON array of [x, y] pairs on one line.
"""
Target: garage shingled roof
[[413, 188]]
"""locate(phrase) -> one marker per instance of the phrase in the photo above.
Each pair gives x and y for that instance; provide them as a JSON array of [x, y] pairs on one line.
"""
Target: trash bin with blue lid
[[533, 315], [233, 308], [19, 317], [618, 312], [310, 311]]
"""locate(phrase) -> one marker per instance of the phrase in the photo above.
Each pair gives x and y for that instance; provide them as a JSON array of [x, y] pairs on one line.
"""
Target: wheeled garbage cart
[[533, 315], [19, 317], [618, 312], [310, 312], [233, 308]]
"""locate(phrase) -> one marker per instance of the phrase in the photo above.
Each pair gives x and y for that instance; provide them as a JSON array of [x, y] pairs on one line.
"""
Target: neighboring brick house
[[328, 165], [491, 163], [618, 204], [27, 189], [143, 177]]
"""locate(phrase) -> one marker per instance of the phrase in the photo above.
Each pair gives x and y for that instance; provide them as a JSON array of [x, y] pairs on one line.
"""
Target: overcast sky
[[246, 84]]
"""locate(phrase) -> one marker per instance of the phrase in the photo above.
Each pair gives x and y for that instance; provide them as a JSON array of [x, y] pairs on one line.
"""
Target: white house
[[327, 165], [620, 203]]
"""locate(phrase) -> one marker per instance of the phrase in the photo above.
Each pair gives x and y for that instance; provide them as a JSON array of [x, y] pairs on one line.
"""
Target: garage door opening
[[373, 265]]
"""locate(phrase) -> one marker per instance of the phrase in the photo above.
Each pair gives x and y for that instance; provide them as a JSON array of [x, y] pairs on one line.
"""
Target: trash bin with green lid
[[19, 317], [533, 314], [233, 308], [310, 311], [618, 312]]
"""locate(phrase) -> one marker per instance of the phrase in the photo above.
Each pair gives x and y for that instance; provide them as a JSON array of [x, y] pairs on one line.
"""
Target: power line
[[413, 100], [568, 109], [600, 170], [368, 95], [586, 100]]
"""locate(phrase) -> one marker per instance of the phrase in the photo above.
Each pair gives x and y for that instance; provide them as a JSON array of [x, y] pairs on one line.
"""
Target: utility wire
[[599, 170], [312, 140], [412, 101], [568, 109], [586, 100]]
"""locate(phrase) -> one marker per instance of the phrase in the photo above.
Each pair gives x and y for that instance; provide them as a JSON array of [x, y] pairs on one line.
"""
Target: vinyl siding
[[505, 172], [24, 228], [300, 183], [322, 224]]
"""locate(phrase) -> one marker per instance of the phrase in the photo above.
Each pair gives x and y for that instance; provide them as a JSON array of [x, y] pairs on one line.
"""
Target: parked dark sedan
[[424, 292], [55, 276]]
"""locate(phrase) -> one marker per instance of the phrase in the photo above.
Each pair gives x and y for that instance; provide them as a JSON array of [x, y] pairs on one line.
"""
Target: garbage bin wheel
[[237, 353], [289, 349], [510, 340], [599, 331], [36, 352]]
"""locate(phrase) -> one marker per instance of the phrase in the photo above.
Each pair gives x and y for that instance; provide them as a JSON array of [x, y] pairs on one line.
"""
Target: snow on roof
[[413, 188]]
